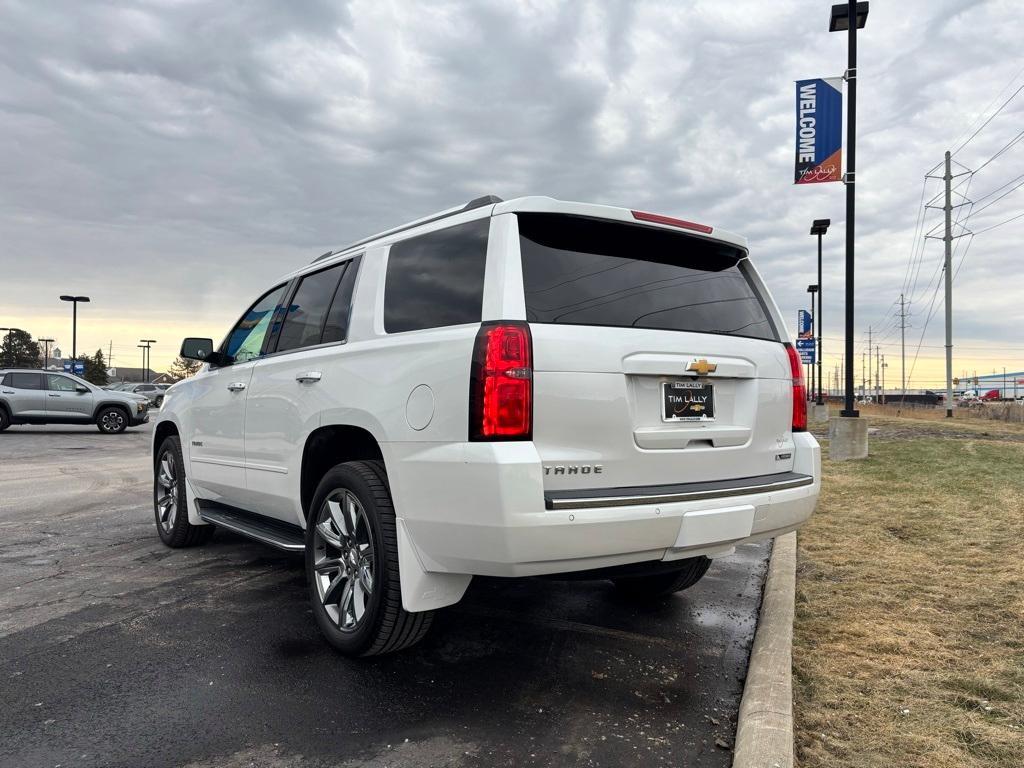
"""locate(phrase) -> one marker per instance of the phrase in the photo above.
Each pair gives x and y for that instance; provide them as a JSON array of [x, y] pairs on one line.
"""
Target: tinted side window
[[336, 327], [436, 279], [23, 380], [304, 318], [245, 341]]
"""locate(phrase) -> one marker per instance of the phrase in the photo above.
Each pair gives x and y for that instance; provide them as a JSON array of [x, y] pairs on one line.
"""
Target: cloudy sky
[[170, 158]]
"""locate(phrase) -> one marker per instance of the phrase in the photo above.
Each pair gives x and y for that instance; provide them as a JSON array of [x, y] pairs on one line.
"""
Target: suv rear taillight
[[796, 368], [501, 383]]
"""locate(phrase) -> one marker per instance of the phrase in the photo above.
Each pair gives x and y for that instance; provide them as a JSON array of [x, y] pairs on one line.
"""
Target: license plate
[[688, 401]]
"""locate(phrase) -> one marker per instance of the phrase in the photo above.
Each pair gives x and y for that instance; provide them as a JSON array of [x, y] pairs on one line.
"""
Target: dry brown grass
[[909, 632], [985, 412]]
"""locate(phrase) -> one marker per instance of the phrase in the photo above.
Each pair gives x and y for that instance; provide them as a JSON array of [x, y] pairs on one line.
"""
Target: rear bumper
[[666, 494], [481, 509]]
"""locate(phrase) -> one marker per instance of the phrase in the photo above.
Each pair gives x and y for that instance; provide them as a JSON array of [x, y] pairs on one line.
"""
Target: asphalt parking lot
[[115, 651]]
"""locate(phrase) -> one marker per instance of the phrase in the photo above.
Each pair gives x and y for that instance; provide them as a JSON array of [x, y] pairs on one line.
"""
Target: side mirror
[[81, 389], [202, 350]]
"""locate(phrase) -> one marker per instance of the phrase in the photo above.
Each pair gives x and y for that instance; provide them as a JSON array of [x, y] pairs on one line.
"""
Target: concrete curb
[[764, 733]]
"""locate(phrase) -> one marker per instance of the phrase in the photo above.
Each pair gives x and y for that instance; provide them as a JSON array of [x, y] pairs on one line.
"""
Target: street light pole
[[74, 325], [819, 227], [815, 382], [46, 352], [145, 358], [855, 16]]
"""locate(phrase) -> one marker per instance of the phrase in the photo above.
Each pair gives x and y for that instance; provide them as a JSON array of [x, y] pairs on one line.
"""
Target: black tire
[[112, 420], [384, 626], [657, 585], [172, 520], [5, 419], [158, 402]]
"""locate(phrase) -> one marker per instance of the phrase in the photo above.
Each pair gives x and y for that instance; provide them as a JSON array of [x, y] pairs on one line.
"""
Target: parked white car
[[504, 389]]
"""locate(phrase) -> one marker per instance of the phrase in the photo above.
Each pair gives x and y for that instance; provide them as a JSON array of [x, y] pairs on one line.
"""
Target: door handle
[[308, 376], [52, 394], [237, 386]]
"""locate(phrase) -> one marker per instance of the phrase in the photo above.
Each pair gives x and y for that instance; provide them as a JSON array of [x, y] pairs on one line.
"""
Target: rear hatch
[[656, 359]]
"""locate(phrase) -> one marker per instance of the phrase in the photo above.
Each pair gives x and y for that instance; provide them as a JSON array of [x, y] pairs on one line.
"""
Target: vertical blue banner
[[804, 326], [819, 130]]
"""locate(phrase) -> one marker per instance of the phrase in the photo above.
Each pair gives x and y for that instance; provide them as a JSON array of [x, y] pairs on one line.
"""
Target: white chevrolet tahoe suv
[[503, 389]]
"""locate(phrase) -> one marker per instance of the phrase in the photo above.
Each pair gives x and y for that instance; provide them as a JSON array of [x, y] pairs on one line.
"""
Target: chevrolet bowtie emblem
[[702, 367]]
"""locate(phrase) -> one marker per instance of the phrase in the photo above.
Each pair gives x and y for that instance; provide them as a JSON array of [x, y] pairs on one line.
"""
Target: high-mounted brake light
[[796, 369], [681, 223], [501, 383]]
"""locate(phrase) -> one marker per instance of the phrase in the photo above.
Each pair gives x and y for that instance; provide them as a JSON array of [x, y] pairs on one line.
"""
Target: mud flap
[[423, 590]]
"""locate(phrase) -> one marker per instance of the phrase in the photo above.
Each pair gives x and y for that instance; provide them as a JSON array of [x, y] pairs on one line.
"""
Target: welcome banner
[[819, 130]]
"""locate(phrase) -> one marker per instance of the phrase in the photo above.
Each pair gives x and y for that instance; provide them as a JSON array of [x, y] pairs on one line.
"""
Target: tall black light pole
[[819, 227], [145, 358], [849, 17], [46, 352], [74, 325], [813, 289]]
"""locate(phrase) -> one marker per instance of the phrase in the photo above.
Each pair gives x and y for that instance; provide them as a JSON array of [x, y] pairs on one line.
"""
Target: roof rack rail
[[478, 202]]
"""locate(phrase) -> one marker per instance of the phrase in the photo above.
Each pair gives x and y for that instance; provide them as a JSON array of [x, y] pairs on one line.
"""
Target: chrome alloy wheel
[[112, 421], [343, 559], [167, 491]]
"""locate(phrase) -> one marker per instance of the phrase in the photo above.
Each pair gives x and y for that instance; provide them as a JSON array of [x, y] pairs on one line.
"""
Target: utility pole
[[884, 366], [868, 384], [863, 381], [948, 241], [878, 367], [903, 346]]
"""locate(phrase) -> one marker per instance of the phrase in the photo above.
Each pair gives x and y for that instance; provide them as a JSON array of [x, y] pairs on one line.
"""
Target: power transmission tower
[[948, 262]]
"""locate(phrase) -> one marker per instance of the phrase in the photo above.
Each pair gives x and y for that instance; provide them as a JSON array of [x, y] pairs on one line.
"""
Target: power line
[[992, 116], [993, 202], [1006, 147], [988, 195], [994, 226]]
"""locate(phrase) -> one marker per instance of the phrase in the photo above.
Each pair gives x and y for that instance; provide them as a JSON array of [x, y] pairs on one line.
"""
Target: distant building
[[1009, 384], [134, 375]]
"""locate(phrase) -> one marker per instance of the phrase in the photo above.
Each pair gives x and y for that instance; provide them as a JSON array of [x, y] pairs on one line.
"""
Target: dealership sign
[[819, 130], [805, 347], [803, 324]]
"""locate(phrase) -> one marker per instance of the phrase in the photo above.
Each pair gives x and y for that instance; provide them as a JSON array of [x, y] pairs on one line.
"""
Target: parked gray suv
[[29, 396]]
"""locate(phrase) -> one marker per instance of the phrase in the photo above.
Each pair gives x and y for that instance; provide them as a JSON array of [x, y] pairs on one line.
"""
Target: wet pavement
[[115, 651]]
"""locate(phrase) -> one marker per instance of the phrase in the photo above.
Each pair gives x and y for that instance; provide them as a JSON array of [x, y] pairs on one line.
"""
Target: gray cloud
[[172, 158]]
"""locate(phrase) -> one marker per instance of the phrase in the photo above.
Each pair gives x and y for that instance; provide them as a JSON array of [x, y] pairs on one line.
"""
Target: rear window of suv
[[582, 271], [436, 279]]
